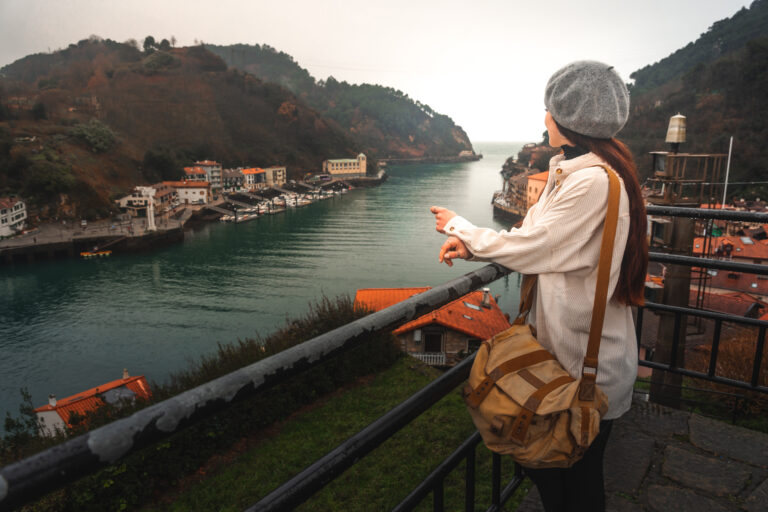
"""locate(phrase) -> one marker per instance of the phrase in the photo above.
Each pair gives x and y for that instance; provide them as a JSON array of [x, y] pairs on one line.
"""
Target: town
[[156, 214]]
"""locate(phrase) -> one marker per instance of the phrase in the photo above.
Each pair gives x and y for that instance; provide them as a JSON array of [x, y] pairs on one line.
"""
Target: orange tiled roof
[[90, 400], [8, 202], [377, 299], [735, 303], [541, 176], [741, 250], [194, 170], [254, 170], [456, 315], [207, 162], [187, 184]]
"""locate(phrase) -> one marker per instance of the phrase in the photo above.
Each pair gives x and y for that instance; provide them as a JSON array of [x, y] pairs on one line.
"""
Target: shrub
[[96, 135]]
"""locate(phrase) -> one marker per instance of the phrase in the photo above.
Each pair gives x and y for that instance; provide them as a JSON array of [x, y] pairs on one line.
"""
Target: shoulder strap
[[589, 367]]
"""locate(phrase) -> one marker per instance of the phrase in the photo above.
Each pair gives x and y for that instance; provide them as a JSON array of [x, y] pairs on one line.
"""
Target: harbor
[[154, 311], [125, 233]]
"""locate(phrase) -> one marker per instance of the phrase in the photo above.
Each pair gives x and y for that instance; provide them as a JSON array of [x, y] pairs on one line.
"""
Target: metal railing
[[29, 478]]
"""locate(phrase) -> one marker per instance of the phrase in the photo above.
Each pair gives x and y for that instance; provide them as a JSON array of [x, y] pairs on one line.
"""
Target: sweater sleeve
[[553, 241]]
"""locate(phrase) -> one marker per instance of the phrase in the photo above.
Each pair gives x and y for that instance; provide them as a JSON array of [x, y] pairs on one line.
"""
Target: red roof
[[377, 299], [541, 176], [9, 202], [253, 170], [464, 314], [207, 163], [735, 303], [187, 184], [194, 170], [90, 400], [741, 247]]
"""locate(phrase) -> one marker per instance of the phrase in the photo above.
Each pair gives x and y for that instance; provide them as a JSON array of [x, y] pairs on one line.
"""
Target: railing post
[[469, 482], [670, 342]]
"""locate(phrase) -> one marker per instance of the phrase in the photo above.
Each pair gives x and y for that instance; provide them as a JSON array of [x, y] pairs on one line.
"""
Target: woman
[[587, 104]]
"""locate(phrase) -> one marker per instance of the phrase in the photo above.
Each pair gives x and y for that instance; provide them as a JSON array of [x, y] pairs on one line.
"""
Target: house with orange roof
[[255, 178], [191, 192], [444, 336], [195, 173], [58, 415]]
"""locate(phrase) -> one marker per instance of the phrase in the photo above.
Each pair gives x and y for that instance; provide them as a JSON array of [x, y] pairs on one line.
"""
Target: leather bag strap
[[589, 367]]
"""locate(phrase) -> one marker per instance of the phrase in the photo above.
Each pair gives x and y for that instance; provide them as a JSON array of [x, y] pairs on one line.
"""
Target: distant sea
[[70, 325]]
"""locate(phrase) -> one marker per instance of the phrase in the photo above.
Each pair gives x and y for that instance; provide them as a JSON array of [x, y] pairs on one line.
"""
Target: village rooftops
[[465, 314], [740, 247], [113, 392], [541, 176], [253, 170], [187, 184], [194, 170], [9, 202]]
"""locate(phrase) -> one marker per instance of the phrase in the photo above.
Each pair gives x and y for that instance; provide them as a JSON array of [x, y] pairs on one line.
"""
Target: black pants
[[578, 488]]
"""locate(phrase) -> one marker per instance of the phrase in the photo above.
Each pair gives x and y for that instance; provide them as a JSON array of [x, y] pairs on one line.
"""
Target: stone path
[[661, 460]]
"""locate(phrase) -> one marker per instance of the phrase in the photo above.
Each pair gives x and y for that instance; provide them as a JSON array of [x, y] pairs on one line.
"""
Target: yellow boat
[[95, 254]]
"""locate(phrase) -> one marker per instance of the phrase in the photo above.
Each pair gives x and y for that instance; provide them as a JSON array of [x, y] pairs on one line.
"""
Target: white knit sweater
[[560, 241]]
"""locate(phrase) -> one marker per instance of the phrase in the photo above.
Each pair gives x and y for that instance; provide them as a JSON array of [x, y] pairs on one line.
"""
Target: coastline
[[431, 160]]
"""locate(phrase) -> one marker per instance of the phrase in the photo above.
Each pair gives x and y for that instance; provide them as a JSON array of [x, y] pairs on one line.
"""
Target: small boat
[[95, 254]]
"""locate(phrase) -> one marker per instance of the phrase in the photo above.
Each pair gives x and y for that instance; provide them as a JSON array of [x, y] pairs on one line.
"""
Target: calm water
[[67, 326]]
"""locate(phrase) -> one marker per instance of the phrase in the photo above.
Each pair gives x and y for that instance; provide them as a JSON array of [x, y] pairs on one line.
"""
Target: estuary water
[[69, 325]]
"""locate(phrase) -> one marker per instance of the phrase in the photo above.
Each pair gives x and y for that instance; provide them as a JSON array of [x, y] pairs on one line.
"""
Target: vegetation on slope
[[382, 119]]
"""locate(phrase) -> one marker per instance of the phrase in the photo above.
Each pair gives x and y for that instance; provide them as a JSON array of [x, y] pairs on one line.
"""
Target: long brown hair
[[616, 154]]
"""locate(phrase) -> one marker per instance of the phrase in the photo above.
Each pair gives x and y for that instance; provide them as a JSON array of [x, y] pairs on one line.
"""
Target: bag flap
[[539, 382]]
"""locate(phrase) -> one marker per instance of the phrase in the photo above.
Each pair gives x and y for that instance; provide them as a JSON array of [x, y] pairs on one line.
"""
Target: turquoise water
[[66, 326]]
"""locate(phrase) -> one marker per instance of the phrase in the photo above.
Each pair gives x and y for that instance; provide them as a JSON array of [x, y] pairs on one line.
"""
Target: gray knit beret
[[588, 97]]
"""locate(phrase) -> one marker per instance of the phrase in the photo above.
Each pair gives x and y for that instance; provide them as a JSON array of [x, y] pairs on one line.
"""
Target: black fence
[[28, 479]]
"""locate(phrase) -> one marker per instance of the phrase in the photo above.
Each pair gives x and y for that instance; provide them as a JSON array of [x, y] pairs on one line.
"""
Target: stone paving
[[660, 459]]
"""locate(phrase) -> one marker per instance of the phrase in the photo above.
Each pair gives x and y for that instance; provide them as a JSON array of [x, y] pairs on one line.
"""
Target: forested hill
[[721, 97], [82, 125], [724, 37], [382, 119]]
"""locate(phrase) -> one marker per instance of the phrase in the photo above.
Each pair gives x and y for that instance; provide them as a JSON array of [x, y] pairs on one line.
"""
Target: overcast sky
[[483, 63]]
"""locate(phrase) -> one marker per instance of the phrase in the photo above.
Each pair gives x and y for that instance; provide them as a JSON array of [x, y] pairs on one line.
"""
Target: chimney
[[52, 400], [486, 298], [125, 373]]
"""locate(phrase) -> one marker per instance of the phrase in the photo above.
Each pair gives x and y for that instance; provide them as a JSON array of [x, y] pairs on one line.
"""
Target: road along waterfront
[[69, 325]]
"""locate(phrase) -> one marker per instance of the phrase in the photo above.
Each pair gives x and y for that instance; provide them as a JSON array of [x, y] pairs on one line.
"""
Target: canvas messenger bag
[[523, 402]]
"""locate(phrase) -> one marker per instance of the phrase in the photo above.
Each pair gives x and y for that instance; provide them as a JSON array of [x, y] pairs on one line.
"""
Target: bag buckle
[[588, 383]]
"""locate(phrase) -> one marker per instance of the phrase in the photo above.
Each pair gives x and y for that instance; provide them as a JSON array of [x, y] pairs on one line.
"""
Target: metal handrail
[[29, 478]]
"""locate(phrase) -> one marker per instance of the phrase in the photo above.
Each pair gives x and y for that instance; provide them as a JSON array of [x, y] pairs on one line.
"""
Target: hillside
[[721, 97], [724, 37], [382, 119], [81, 125]]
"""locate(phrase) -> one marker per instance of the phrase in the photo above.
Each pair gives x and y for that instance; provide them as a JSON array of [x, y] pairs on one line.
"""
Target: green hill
[[722, 94], [382, 119], [81, 125]]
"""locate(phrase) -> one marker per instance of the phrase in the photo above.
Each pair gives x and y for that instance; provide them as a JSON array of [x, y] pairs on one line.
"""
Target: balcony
[[658, 458]]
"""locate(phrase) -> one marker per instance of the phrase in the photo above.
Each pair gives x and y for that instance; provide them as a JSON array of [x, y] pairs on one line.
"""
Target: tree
[[173, 41], [165, 45], [149, 44]]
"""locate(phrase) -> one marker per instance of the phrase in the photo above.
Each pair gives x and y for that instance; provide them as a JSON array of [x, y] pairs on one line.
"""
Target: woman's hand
[[442, 216], [453, 248]]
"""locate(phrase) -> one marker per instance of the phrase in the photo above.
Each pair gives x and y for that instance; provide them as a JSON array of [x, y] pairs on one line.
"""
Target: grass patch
[[378, 482]]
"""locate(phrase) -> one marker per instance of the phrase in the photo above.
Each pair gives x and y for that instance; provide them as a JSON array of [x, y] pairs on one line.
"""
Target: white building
[[213, 171], [346, 167], [135, 203], [13, 216], [191, 192]]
